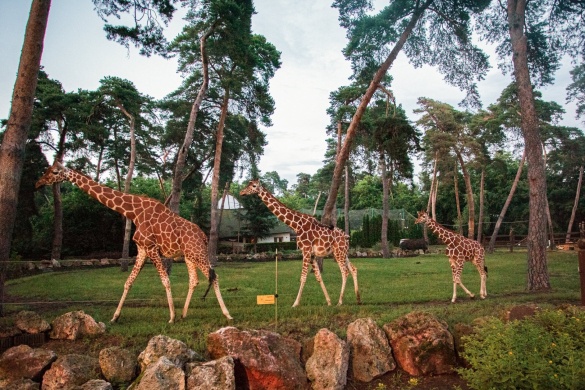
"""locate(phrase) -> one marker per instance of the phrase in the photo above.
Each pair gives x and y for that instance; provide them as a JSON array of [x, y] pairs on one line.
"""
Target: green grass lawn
[[389, 288]]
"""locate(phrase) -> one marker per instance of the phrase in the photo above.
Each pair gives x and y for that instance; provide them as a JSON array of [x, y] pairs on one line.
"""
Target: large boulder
[[174, 350], [214, 375], [70, 371], [422, 344], [370, 351], [25, 362], [31, 322], [327, 366], [72, 325], [263, 359], [118, 365], [162, 375]]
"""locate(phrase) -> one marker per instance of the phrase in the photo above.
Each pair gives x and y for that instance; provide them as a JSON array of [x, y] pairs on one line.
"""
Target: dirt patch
[[400, 380]]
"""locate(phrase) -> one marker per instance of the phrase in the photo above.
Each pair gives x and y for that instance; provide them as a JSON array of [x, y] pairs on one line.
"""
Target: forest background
[[466, 157]]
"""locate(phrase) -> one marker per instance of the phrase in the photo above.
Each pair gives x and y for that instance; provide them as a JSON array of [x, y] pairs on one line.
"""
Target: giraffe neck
[[443, 233], [116, 200], [292, 218]]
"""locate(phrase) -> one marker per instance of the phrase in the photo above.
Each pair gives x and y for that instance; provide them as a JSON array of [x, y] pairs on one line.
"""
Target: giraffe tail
[[486, 270], [212, 278]]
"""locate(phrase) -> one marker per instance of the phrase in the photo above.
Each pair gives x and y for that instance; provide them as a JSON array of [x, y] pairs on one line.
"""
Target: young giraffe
[[312, 238], [158, 230], [459, 250]]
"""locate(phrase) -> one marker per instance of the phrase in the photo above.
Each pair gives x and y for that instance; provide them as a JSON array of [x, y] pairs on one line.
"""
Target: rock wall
[[418, 343]]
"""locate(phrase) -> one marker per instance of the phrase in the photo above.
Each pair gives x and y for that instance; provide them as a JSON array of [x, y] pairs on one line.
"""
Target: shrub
[[546, 351]]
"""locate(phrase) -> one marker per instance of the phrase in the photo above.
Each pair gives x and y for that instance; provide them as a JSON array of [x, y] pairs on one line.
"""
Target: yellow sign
[[265, 299]]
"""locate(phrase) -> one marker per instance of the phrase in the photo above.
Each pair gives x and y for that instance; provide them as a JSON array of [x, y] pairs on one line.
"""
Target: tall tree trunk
[[128, 180], [470, 200], [175, 197], [226, 190], [57, 244], [431, 194], [480, 218], [384, 235], [506, 204], [14, 142], [457, 201], [214, 222], [346, 203], [343, 155], [538, 277], [575, 204]]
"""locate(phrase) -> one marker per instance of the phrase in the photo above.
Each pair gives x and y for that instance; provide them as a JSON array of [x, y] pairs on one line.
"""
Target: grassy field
[[389, 288]]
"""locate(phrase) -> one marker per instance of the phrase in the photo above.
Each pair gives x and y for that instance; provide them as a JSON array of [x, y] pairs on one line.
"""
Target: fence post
[[511, 240]]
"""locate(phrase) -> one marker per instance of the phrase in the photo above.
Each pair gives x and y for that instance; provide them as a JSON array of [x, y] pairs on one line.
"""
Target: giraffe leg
[[193, 282], [140, 259], [482, 277], [207, 272], [320, 280], [154, 256], [343, 267], [457, 268], [304, 271], [354, 273], [224, 309]]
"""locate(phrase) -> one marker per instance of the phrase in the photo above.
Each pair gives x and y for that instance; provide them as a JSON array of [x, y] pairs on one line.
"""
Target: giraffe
[[158, 231], [459, 250], [313, 238]]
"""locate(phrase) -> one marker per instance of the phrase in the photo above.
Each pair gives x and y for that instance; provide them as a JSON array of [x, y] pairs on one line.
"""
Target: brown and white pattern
[[158, 231], [459, 250], [313, 238]]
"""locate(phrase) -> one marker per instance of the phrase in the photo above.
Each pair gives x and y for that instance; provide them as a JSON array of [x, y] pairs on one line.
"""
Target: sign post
[[271, 299]]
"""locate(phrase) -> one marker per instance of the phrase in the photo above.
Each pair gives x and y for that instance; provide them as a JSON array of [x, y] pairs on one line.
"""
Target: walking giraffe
[[158, 230], [313, 238], [459, 250]]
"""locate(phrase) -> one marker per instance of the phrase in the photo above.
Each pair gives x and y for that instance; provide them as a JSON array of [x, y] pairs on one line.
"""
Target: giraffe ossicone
[[459, 250], [158, 231], [313, 238]]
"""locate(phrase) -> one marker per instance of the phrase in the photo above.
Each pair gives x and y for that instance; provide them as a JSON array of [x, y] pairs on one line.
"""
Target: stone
[[162, 375], [9, 331], [21, 384], [370, 351], [72, 325], [263, 359], [31, 322], [96, 384], [422, 344], [25, 362], [214, 375], [118, 365], [174, 350], [327, 366], [70, 371]]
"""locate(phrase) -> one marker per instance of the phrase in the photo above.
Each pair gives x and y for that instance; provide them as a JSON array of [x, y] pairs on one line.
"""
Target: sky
[[307, 34]]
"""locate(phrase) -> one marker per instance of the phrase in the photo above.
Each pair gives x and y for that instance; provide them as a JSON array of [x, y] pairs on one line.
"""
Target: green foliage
[[546, 351], [370, 233]]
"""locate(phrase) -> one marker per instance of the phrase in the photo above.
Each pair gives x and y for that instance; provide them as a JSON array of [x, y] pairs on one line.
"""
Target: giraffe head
[[55, 174], [253, 187], [423, 217]]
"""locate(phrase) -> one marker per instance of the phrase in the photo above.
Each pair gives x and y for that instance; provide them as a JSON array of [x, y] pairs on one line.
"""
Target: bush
[[546, 351]]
